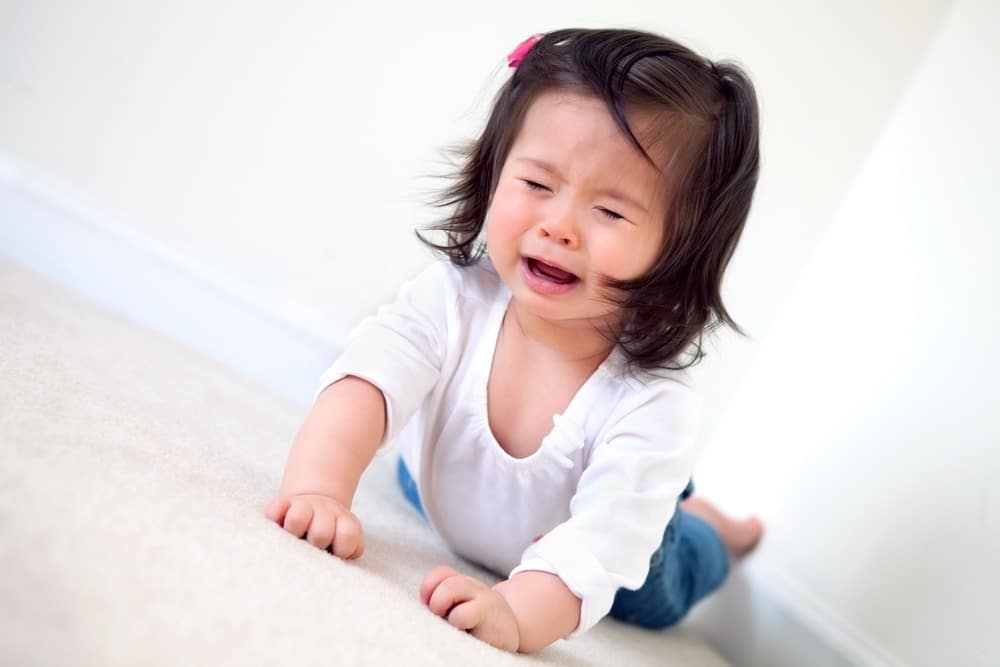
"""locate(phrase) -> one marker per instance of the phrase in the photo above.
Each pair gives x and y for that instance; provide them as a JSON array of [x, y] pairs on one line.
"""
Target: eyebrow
[[613, 193]]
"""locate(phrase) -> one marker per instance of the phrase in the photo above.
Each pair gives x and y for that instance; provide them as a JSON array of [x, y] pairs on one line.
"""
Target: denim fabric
[[409, 487], [690, 563]]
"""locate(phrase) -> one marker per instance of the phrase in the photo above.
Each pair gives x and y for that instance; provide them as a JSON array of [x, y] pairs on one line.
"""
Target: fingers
[[470, 605], [451, 592], [297, 518], [275, 510], [349, 541], [321, 530], [467, 615], [432, 579], [332, 529]]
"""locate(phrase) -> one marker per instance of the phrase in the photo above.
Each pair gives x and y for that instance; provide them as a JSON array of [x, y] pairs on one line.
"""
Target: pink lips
[[543, 285]]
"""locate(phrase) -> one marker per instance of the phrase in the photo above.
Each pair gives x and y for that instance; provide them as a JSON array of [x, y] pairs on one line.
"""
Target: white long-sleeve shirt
[[590, 506]]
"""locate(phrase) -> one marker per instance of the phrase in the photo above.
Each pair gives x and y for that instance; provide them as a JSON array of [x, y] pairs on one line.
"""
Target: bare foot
[[739, 536]]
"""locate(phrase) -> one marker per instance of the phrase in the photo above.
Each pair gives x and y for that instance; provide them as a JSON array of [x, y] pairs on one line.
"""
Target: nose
[[560, 227]]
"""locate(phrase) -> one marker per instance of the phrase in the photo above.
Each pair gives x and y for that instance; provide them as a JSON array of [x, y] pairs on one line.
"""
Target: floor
[[133, 475]]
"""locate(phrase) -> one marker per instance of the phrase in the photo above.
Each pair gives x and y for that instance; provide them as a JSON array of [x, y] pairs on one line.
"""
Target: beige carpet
[[133, 474]]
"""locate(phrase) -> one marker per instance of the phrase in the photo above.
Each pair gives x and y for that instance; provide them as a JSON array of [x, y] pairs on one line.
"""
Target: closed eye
[[535, 186], [608, 213]]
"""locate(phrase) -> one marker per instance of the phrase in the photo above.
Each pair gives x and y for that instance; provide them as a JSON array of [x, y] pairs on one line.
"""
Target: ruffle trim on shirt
[[566, 438], [553, 457]]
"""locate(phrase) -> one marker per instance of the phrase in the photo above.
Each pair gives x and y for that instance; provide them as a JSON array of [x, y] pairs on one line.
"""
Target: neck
[[576, 342]]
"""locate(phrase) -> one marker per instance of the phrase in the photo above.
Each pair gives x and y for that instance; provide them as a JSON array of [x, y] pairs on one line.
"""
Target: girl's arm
[[526, 613], [545, 609], [337, 441], [399, 351]]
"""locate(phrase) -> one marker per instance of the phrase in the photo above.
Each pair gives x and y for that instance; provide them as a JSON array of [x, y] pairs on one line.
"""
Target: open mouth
[[551, 273]]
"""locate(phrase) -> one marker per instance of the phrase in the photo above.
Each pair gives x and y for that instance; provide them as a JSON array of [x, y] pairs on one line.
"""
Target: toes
[[750, 532]]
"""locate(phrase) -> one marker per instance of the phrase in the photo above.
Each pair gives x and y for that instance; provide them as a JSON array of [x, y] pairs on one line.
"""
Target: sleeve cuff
[[335, 373], [565, 555]]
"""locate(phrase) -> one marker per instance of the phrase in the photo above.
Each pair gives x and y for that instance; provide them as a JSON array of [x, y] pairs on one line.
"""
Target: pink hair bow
[[521, 50]]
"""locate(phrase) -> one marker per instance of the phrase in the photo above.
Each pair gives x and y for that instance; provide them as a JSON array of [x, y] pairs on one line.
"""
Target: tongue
[[554, 273]]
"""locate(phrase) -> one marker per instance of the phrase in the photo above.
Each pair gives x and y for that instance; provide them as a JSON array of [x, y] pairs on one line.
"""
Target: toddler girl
[[534, 381]]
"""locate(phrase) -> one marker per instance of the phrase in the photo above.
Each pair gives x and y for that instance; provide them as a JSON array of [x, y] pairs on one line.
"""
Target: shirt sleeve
[[400, 349], [622, 504]]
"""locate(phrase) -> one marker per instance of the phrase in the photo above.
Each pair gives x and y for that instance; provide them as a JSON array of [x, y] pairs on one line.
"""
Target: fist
[[325, 522], [470, 605]]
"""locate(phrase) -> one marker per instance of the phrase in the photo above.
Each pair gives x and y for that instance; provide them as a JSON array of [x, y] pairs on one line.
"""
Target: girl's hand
[[471, 605], [325, 522]]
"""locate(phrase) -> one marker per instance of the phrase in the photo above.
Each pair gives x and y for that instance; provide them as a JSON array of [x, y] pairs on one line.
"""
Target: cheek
[[499, 235], [610, 250], [507, 201], [506, 218], [623, 257]]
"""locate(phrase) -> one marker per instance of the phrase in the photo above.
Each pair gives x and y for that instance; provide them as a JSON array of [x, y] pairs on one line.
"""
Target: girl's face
[[574, 194]]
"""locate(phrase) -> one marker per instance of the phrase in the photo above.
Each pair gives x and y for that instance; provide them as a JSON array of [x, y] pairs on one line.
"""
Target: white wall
[[281, 144], [866, 430]]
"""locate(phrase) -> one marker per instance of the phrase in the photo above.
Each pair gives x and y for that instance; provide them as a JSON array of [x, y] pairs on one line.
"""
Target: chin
[[552, 310]]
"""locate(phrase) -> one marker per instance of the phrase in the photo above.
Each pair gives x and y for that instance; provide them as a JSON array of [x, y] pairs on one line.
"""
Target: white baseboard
[[82, 248], [757, 619], [762, 619]]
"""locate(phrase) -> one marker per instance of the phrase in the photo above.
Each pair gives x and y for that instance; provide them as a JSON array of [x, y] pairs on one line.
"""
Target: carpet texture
[[133, 476]]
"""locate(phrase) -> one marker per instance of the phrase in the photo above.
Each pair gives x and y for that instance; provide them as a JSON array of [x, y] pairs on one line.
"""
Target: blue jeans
[[690, 563]]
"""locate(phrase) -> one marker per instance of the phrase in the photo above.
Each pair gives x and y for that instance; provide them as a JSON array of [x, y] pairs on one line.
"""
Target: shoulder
[[478, 281], [664, 399]]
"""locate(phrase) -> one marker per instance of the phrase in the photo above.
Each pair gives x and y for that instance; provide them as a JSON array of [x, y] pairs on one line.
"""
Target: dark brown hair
[[708, 112]]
